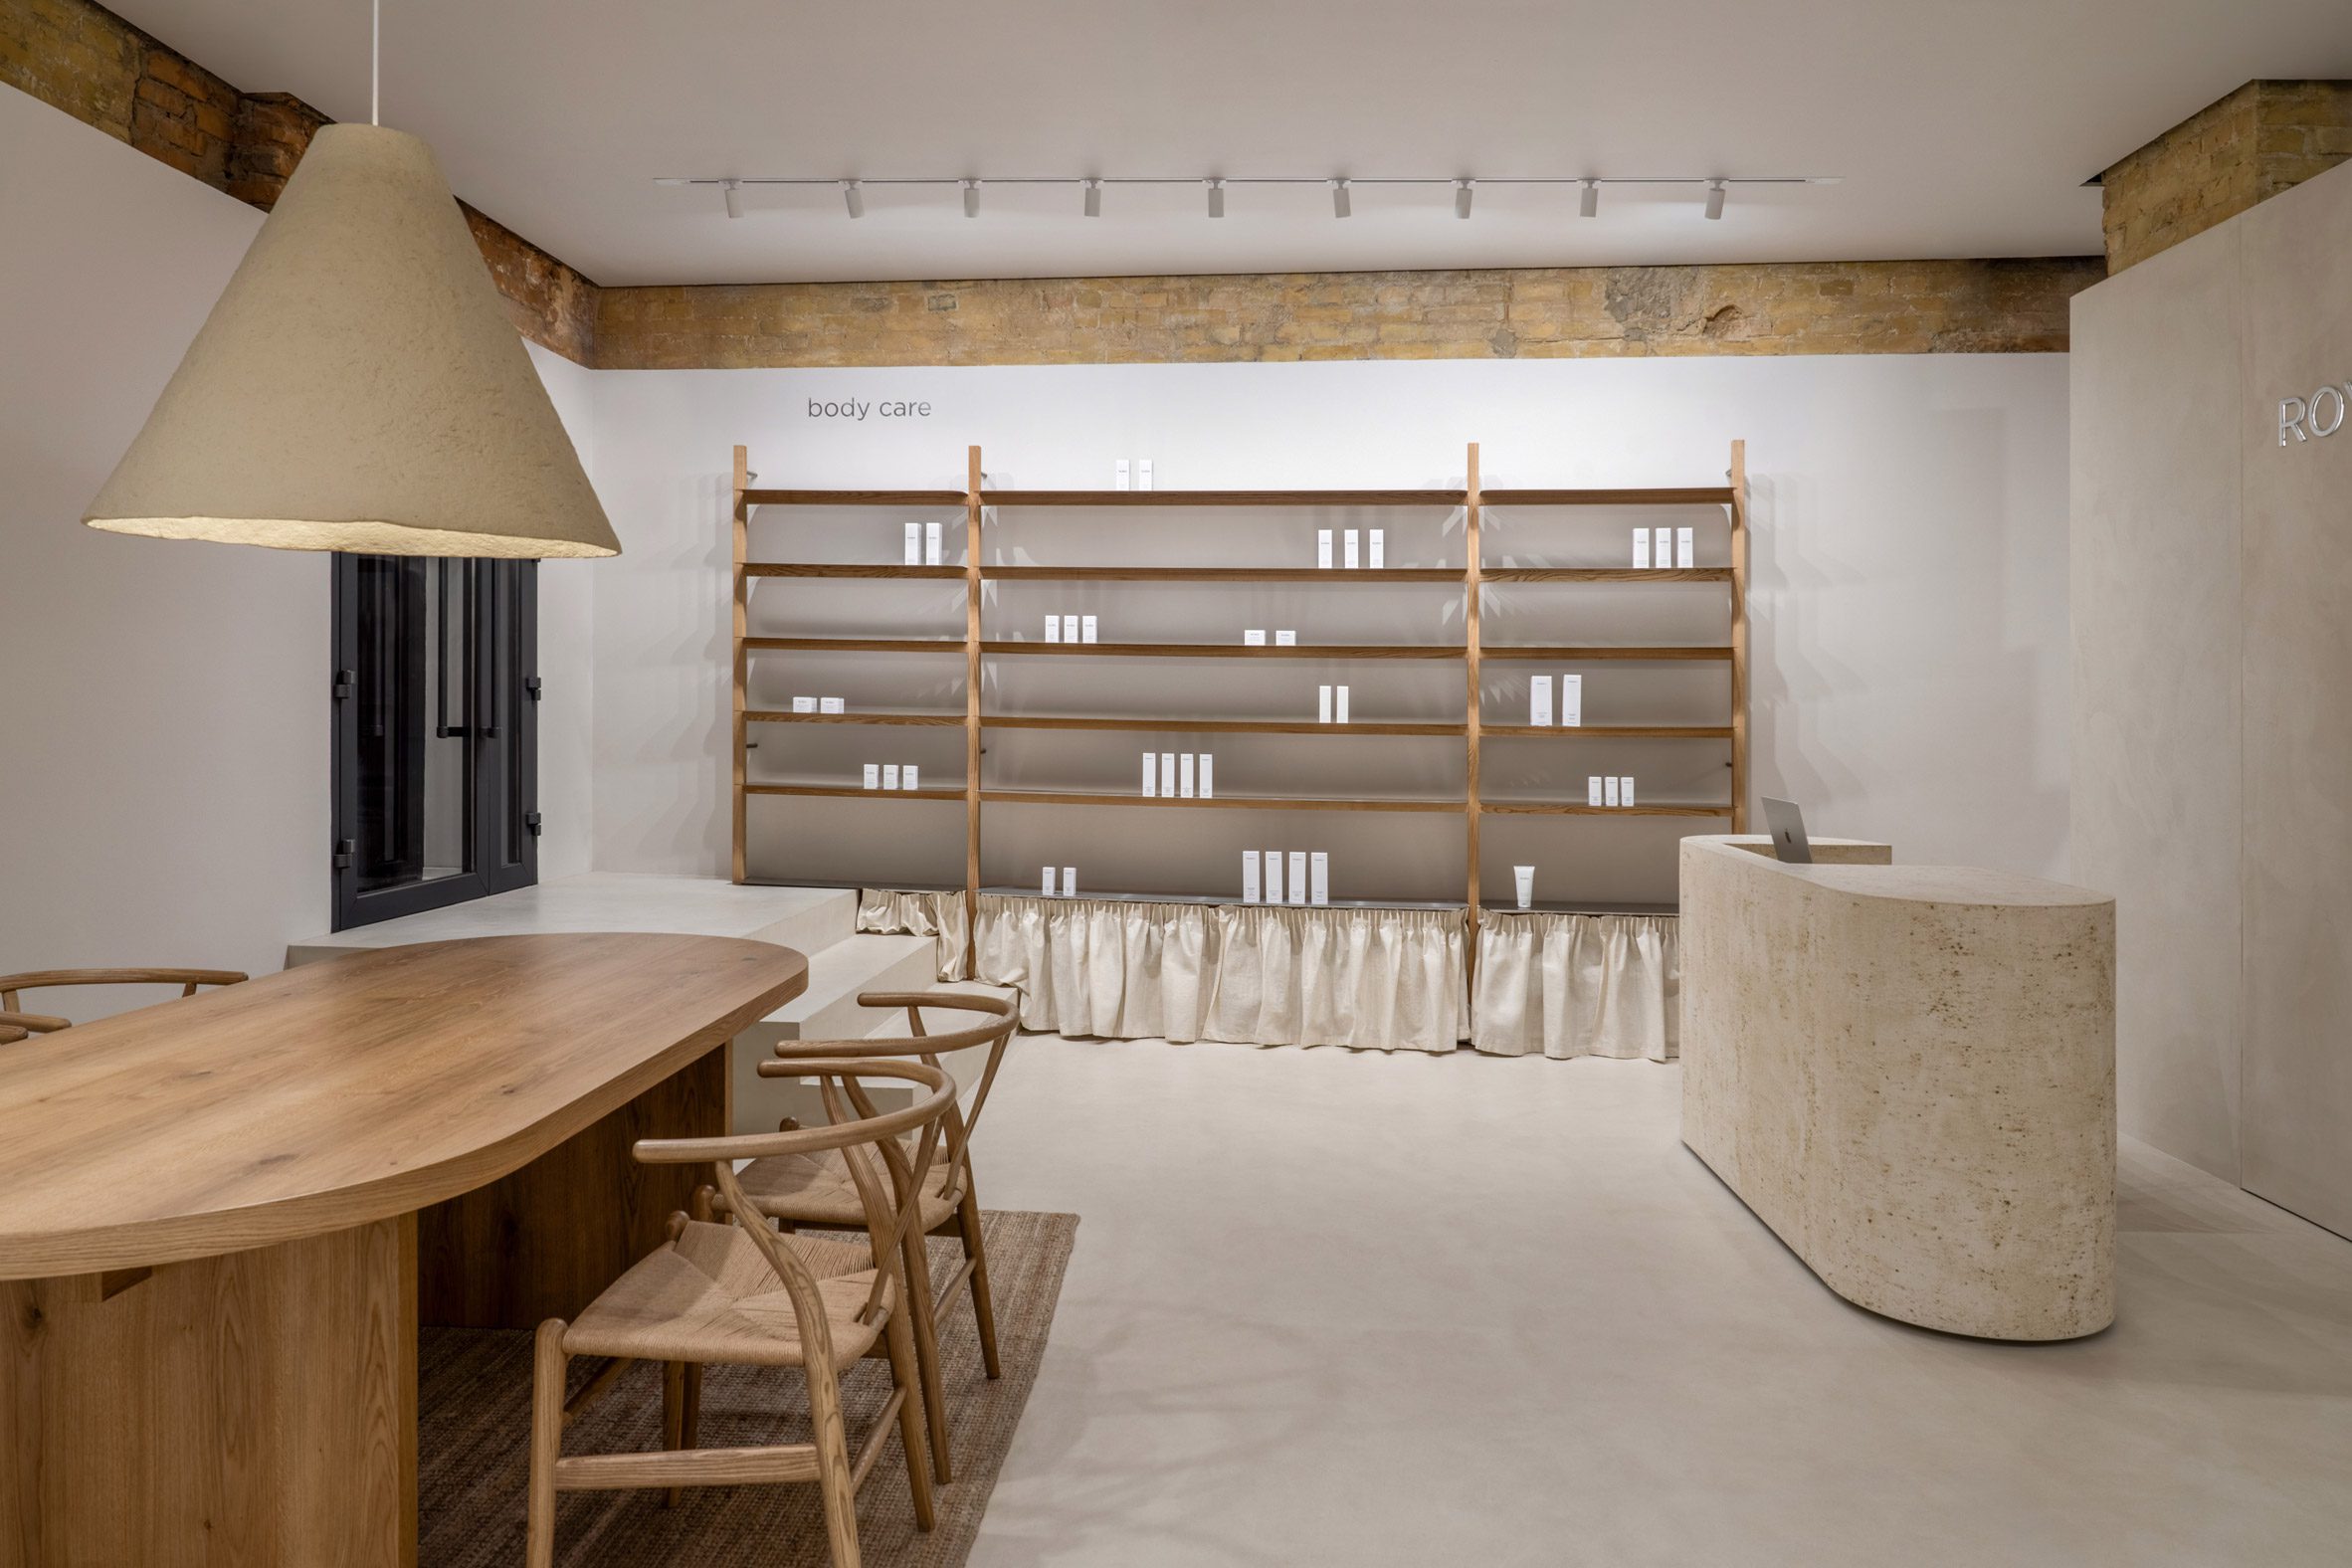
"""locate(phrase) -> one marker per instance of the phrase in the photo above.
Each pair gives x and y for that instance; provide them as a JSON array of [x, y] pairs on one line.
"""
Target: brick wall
[[88, 61], [2265, 137]]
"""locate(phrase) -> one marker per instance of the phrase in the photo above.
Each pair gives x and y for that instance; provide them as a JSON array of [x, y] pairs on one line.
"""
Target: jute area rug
[[473, 1429]]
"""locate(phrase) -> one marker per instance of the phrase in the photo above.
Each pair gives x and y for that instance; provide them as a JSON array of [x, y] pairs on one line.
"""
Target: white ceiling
[[1961, 127]]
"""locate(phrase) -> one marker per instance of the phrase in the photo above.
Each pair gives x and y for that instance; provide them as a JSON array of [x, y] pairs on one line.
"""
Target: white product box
[[1068, 881], [1323, 548], [1350, 550], [1049, 888], [1086, 629], [1208, 768], [1609, 789], [1255, 638], [934, 545], [1286, 639], [1641, 549], [1322, 704], [831, 705], [909, 777], [1168, 774], [1523, 883], [1686, 547], [890, 775], [1571, 700], [1339, 704], [1298, 875], [1143, 474], [1625, 790], [1151, 773], [1183, 776], [1320, 875], [1376, 556], [1273, 875], [1592, 787], [1052, 629], [1120, 475], [1248, 876], [1539, 700], [1664, 554], [874, 775], [804, 704], [914, 544]]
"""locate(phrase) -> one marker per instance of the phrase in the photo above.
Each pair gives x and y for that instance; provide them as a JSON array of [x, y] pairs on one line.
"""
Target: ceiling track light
[[853, 196], [1094, 197], [1714, 198], [1340, 205], [971, 198], [1461, 197], [1588, 205], [734, 190], [1216, 197]]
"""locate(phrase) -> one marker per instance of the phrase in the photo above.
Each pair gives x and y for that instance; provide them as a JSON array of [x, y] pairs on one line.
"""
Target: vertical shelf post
[[1473, 570], [742, 619], [972, 506], [1739, 636]]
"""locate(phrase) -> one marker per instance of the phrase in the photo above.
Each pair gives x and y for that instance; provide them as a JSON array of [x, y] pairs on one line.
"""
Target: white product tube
[[874, 775], [1208, 784], [1609, 789], [1592, 787], [1539, 700], [1273, 875], [890, 775], [1339, 704], [1350, 549], [1049, 888], [831, 705], [1286, 639], [1068, 881], [1255, 638], [1143, 474], [1625, 789], [1151, 773], [1641, 549], [804, 704], [1571, 700], [934, 545], [1523, 883], [914, 544], [1168, 774], [1319, 876], [1686, 547], [1322, 704], [1323, 548], [1052, 629], [1248, 876], [1378, 554], [1664, 555], [1119, 474], [1086, 629], [1298, 875], [1183, 776], [909, 777]]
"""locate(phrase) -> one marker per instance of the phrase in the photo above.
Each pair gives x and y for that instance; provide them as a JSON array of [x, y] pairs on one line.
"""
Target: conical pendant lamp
[[358, 387]]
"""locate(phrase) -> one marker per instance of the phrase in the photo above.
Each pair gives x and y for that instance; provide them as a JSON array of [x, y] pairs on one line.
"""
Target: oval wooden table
[[222, 1219]]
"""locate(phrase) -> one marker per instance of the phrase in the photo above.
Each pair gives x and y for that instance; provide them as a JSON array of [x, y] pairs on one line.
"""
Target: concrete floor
[[1353, 1309]]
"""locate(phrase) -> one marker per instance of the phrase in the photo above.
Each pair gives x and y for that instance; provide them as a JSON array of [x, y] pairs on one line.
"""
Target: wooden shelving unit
[[1471, 501]]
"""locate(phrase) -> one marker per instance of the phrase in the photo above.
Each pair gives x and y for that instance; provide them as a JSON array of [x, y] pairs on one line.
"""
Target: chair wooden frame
[[14, 1017], [855, 1125], [957, 1188]]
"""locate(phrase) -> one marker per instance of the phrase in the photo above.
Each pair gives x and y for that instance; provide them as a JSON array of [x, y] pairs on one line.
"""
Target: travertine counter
[[1908, 1071]]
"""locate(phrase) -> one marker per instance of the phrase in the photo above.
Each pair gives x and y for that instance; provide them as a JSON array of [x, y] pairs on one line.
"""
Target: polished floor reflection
[[1339, 1308]]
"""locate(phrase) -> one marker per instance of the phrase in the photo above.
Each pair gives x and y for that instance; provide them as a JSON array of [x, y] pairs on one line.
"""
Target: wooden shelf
[[852, 792], [1605, 574], [1230, 649], [853, 645], [1612, 731], [852, 497], [1223, 727], [1218, 574], [777, 716], [1223, 498], [852, 569], [1025, 797], [1593, 655], [1561, 808], [1709, 496]]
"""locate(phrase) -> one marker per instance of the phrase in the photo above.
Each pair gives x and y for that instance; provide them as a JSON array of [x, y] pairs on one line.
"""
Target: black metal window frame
[[494, 605]]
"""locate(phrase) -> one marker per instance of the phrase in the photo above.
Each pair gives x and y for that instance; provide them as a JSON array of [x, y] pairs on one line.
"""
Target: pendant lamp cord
[[375, 62]]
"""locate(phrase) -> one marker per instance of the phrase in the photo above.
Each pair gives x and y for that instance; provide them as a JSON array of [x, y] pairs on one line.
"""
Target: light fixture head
[[1216, 197], [1461, 197], [1094, 197], [1340, 206], [358, 387], [971, 198], [1714, 198], [853, 196], [734, 191], [1588, 205]]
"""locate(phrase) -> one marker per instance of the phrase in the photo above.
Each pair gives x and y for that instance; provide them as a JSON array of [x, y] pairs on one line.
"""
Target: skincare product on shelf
[[874, 775], [1625, 790], [1183, 776], [1323, 548], [1664, 555], [1255, 638], [1686, 547], [1119, 474], [934, 545], [1523, 883], [1068, 881], [1339, 704], [1273, 875], [1167, 773], [1248, 876], [908, 777], [831, 705], [1143, 474], [804, 704], [1320, 873], [1641, 549], [914, 544], [1539, 700], [1350, 556], [1151, 785], [1591, 788], [1049, 888], [1086, 629], [1208, 766], [1052, 629], [1571, 700], [1286, 639], [1608, 789], [1322, 704], [890, 775], [1298, 875], [1377, 558]]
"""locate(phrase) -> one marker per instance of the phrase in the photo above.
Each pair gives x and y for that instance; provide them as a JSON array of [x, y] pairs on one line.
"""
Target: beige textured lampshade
[[358, 387]]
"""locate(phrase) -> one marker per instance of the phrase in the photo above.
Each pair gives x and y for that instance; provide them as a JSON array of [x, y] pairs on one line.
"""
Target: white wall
[[164, 707], [1909, 583]]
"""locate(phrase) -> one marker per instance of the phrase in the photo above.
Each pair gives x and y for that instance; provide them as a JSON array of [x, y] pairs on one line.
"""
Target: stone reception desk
[[1908, 1071]]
